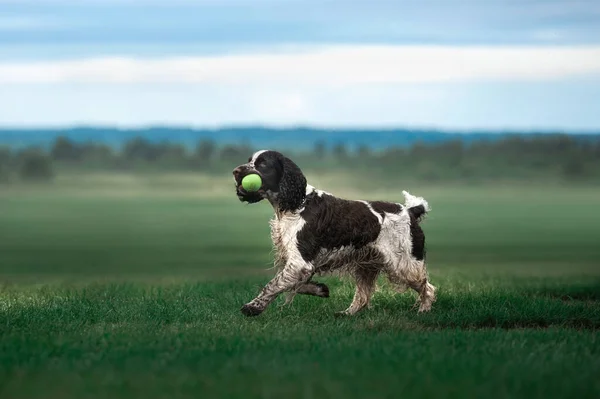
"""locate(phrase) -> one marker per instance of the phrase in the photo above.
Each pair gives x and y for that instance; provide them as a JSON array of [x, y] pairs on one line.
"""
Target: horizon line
[[287, 127]]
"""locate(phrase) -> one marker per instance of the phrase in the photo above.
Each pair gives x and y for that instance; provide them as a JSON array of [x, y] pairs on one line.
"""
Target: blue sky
[[525, 65]]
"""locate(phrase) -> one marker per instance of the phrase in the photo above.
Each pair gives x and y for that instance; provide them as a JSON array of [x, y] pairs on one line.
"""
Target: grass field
[[132, 288]]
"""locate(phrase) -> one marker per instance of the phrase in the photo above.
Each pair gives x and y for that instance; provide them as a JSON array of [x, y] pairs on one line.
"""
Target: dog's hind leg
[[413, 273], [310, 288], [314, 288], [417, 279], [365, 286], [426, 293]]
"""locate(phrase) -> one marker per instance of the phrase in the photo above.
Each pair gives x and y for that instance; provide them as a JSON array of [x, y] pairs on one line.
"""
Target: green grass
[[138, 294]]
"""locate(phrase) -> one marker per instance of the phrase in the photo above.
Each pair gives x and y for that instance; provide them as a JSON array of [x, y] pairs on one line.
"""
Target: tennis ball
[[251, 182]]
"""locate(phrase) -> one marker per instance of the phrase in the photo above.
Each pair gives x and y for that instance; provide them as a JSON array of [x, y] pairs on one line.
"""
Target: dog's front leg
[[288, 278]]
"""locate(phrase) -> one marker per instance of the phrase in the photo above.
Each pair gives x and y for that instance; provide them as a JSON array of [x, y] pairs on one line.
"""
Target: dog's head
[[283, 183]]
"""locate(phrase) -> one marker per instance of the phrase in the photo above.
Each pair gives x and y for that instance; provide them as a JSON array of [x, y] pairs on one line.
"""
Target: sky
[[526, 65]]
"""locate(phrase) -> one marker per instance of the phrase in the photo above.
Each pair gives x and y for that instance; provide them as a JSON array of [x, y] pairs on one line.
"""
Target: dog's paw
[[323, 290], [251, 310], [424, 308]]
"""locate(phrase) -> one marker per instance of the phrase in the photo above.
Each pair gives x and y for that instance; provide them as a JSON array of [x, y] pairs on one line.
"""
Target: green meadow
[[131, 286]]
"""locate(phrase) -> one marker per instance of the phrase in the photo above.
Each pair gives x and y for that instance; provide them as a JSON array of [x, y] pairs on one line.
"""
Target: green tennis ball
[[251, 182]]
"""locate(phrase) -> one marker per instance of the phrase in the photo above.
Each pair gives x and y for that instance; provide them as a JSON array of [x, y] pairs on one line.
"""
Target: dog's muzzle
[[238, 174]]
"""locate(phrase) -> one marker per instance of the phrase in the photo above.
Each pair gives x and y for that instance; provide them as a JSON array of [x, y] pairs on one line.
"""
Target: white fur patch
[[395, 240], [412, 201], [256, 155], [377, 215], [310, 189], [284, 233]]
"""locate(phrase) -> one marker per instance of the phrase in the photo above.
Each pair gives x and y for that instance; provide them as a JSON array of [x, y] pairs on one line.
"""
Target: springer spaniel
[[314, 232]]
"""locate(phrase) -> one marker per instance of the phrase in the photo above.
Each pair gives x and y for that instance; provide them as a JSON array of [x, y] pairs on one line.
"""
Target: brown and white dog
[[315, 232]]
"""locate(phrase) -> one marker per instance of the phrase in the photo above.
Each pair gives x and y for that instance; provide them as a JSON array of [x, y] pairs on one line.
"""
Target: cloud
[[444, 86], [327, 66]]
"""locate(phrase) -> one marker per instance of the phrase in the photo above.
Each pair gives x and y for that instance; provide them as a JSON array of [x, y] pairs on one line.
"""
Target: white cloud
[[322, 66], [495, 87]]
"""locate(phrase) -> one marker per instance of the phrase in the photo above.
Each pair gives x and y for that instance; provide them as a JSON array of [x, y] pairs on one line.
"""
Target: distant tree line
[[558, 157]]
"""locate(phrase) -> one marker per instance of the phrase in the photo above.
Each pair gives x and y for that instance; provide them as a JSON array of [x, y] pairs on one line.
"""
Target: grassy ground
[[133, 289]]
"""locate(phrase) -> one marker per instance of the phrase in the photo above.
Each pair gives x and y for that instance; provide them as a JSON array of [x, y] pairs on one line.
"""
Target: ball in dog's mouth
[[246, 196], [251, 182]]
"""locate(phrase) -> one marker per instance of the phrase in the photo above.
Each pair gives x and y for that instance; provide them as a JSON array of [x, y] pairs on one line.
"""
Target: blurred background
[[120, 123], [125, 255]]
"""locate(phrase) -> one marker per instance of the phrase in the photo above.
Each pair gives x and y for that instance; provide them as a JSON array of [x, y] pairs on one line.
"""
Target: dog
[[317, 233]]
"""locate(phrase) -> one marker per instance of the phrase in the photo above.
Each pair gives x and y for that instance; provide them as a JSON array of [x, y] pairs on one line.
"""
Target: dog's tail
[[417, 206]]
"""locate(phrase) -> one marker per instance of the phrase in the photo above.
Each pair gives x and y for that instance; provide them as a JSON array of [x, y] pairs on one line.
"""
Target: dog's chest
[[284, 233]]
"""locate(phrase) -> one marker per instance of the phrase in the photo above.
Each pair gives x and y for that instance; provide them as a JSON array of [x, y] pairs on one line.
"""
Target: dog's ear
[[292, 186]]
